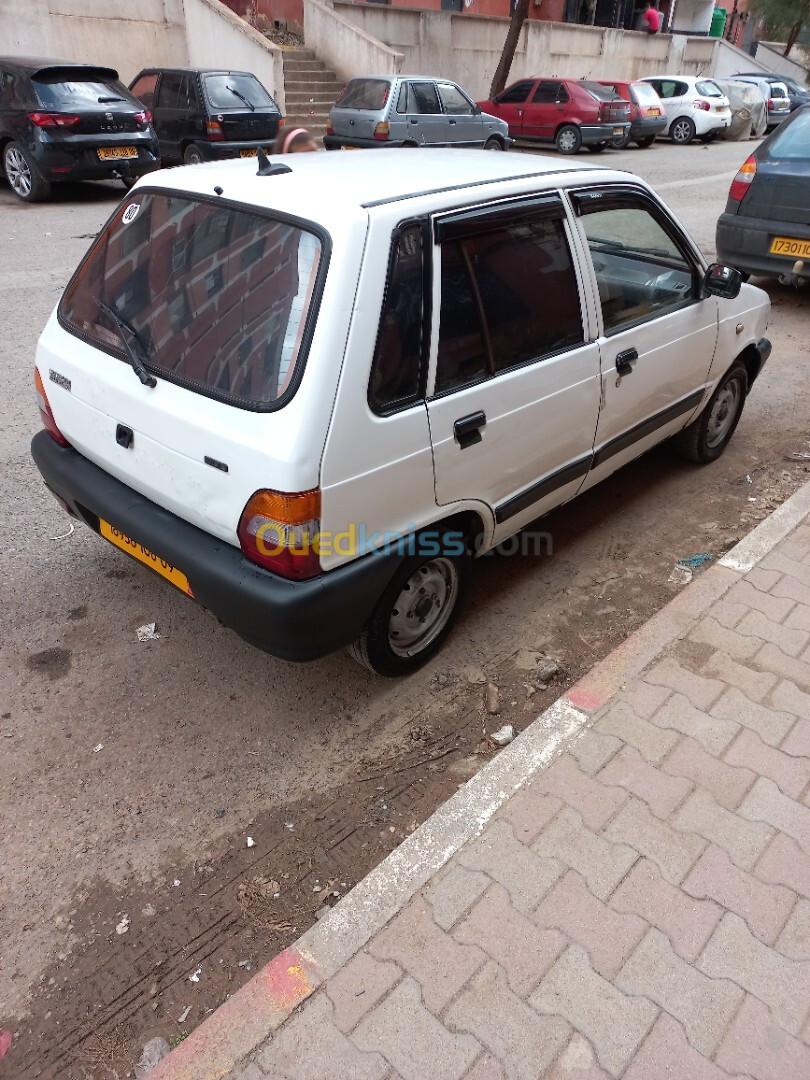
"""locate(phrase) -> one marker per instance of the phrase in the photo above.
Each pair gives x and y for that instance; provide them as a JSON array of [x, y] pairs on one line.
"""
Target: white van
[[309, 396]]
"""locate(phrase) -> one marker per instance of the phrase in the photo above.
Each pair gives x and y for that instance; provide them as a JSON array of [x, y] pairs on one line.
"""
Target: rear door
[[171, 106], [514, 383], [545, 110], [780, 190], [427, 124], [658, 333]]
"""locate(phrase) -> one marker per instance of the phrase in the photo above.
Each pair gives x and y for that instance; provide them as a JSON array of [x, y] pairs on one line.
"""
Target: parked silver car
[[775, 92], [410, 110]]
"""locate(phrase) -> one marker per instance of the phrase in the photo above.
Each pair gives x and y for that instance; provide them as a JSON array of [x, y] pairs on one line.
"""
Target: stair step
[[303, 65], [296, 97]]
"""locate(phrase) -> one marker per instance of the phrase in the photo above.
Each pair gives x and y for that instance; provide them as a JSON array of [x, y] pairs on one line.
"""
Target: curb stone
[[260, 1007]]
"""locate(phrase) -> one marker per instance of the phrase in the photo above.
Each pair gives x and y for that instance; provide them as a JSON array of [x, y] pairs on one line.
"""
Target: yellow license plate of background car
[[653, 112], [783, 245], [107, 153], [144, 555], [248, 153]]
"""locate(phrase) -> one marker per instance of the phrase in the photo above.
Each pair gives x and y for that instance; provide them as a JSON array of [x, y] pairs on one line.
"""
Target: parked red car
[[647, 116], [567, 112]]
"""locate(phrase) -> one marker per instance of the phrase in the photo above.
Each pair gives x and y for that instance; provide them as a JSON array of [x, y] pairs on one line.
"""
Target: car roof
[[192, 71], [331, 187], [33, 65]]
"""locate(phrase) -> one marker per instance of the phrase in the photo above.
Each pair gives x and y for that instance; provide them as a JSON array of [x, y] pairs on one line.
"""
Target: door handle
[[625, 361], [467, 429], [452, 122], [414, 121]]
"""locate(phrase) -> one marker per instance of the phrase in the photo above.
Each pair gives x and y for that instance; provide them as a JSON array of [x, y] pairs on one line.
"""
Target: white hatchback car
[[307, 397], [693, 107]]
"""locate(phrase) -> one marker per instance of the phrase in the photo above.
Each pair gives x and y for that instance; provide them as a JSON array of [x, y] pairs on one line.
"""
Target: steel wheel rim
[[423, 607], [723, 414], [493, 144], [194, 158], [681, 132], [567, 140], [18, 172]]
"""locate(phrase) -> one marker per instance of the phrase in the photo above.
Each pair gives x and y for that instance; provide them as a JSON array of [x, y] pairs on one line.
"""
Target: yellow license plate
[[653, 112], [144, 555], [249, 153], [112, 153], [719, 108], [350, 148], [794, 249]]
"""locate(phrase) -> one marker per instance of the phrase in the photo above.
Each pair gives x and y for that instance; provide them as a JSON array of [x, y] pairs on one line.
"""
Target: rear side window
[[173, 91], [509, 297], [144, 89], [219, 299], [792, 140], [78, 94], [546, 93], [236, 92], [397, 367], [644, 94], [369, 94]]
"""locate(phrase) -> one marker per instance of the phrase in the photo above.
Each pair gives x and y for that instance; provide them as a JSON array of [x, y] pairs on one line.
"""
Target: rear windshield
[[365, 94], [229, 92], [601, 93], [778, 90], [217, 298], [792, 141], [645, 94], [79, 93], [708, 89]]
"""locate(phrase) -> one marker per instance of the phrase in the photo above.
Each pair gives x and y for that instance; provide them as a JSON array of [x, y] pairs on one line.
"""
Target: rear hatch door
[[242, 106], [95, 102], [361, 106], [780, 190], [220, 302]]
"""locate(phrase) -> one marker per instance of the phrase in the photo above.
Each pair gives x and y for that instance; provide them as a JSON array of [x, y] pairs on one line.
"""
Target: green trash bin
[[719, 16]]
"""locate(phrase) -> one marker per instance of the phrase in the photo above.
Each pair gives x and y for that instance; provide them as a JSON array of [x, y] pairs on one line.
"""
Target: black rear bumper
[[78, 159], [745, 242], [294, 620]]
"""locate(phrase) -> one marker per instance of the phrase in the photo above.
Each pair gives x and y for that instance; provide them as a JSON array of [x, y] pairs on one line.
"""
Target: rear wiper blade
[[125, 331], [233, 90]]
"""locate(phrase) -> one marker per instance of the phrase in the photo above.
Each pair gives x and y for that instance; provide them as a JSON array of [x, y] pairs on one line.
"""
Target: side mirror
[[722, 281], [477, 110]]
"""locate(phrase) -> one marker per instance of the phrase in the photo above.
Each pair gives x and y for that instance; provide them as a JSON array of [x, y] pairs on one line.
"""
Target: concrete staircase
[[310, 90]]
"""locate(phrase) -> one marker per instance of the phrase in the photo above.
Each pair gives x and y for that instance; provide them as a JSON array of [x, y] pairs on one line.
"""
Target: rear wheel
[[23, 175], [494, 144], [648, 140], [413, 616], [192, 155], [710, 136], [568, 139], [682, 130], [707, 437], [621, 142]]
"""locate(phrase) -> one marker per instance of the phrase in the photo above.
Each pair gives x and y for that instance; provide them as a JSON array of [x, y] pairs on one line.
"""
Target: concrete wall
[[345, 47], [133, 34], [771, 54], [124, 34], [467, 48]]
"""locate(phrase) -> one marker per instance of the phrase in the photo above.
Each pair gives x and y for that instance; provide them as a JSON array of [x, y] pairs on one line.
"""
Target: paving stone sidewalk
[[638, 908]]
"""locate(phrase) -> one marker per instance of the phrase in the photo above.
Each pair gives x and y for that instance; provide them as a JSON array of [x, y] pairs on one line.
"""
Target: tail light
[[330, 130], [45, 413], [53, 119], [281, 532], [143, 119], [381, 132], [771, 104], [743, 180], [213, 129], [701, 104]]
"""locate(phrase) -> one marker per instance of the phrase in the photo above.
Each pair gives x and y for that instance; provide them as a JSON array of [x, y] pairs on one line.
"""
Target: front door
[[514, 383], [512, 105], [466, 128], [658, 332]]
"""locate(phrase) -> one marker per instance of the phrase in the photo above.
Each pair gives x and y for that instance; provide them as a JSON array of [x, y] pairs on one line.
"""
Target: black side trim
[[647, 427], [542, 488], [486, 218]]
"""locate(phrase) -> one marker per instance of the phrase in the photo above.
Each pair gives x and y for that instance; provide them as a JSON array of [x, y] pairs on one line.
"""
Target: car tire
[[682, 130], [494, 144], [648, 140], [129, 182], [709, 137], [621, 142], [705, 439], [568, 139], [597, 148], [22, 174], [397, 639], [192, 155]]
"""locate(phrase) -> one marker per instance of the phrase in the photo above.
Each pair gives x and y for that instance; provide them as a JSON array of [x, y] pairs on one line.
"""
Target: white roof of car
[[322, 185]]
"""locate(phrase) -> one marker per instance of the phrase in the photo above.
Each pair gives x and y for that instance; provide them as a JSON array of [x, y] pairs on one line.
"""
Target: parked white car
[[693, 107], [309, 396]]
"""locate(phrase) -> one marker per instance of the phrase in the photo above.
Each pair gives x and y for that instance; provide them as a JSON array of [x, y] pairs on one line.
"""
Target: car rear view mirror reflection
[[723, 281]]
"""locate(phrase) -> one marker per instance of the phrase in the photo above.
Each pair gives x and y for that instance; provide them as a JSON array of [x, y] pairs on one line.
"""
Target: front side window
[[640, 270], [397, 366], [509, 297], [454, 102], [215, 297], [515, 95]]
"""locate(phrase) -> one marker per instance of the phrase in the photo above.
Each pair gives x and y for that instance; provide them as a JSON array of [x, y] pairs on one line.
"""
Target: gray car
[[410, 110]]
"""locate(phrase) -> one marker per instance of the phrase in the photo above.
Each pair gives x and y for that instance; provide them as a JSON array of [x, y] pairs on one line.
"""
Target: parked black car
[[206, 115], [766, 226], [63, 121]]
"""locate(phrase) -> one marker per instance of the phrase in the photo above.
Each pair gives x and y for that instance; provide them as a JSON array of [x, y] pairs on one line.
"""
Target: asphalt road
[[113, 753]]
